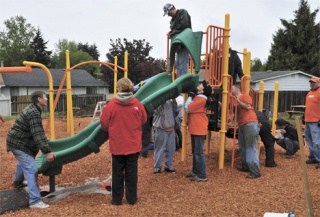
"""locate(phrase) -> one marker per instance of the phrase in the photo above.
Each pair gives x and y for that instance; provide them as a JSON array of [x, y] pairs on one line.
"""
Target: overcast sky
[[253, 22]]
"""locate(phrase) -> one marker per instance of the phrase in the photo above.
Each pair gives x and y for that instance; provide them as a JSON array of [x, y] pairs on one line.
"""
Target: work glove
[[192, 95]]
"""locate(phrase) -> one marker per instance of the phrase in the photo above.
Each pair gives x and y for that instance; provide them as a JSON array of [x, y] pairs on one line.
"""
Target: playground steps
[[98, 110]]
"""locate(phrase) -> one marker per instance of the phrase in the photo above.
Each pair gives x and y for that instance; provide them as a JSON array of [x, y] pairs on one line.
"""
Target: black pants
[[124, 173], [268, 141], [146, 134]]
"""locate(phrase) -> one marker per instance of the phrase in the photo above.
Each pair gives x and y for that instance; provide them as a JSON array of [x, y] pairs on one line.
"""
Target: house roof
[[267, 75], [38, 77]]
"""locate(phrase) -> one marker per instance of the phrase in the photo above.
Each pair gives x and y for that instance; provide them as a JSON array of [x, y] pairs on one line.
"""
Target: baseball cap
[[314, 79], [166, 8], [207, 90]]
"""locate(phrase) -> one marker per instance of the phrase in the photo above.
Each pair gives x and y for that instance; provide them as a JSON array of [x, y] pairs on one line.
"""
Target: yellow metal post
[[184, 129], [51, 108], [247, 59], [115, 76], [275, 107], [126, 64], [225, 90], [261, 94], [70, 124]]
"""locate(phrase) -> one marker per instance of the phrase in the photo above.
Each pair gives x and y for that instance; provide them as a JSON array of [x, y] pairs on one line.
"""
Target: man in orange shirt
[[312, 120], [248, 134], [195, 106]]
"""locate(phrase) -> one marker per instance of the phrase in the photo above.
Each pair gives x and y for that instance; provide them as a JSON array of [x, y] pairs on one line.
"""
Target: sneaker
[[198, 179], [271, 165], [157, 171], [191, 175], [115, 203], [241, 169], [252, 176], [39, 205], [169, 170], [18, 186], [311, 161], [318, 166], [289, 156]]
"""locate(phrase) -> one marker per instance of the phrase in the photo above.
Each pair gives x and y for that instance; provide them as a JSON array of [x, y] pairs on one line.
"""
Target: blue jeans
[[312, 135], [199, 158], [164, 142], [291, 146], [26, 167], [248, 143], [182, 62]]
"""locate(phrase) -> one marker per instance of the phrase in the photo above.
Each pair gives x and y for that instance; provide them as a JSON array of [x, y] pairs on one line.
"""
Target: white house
[[288, 80], [23, 84]]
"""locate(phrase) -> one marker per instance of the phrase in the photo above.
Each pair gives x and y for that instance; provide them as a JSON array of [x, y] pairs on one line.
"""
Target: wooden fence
[[286, 99], [18, 103]]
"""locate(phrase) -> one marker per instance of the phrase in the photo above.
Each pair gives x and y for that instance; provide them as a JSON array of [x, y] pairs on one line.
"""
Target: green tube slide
[[155, 92]]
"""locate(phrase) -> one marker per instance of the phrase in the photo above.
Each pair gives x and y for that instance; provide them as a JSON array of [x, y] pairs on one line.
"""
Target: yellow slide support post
[[26, 63], [115, 76], [225, 91], [184, 130], [70, 124], [126, 64], [261, 94]]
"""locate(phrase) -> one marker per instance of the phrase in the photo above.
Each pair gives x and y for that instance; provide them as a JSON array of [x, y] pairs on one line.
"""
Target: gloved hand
[[192, 95]]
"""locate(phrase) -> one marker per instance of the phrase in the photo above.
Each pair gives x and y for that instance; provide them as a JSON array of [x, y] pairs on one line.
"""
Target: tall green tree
[[92, 50], [76, 56], [15, 41], [256, 65], [40, 52], [297, 45], [140, 64]]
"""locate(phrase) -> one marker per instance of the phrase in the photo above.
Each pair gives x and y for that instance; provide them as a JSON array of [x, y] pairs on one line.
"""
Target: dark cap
[[166, 8], [207, 90]]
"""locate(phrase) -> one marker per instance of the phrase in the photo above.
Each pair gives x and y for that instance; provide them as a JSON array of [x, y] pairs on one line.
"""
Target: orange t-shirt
[[197, 118], [246, 116], [312, 113]]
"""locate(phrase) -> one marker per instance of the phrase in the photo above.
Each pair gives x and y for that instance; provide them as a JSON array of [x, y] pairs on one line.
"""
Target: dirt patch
[[226, 193]]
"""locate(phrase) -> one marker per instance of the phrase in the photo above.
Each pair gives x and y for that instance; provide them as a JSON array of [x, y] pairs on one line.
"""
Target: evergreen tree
[[40, 54], [256, 65], [140, 65], [92, 50], [297, 45]]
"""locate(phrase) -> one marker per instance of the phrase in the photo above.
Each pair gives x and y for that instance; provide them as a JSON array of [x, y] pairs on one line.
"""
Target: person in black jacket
[[235, 65], [180, 21], [290, 141], [267, 138]]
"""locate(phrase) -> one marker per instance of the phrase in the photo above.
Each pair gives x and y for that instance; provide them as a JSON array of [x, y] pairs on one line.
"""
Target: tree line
[[295, 46]]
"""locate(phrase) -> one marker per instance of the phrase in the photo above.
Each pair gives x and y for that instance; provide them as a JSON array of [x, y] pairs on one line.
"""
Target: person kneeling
[[290, 141]]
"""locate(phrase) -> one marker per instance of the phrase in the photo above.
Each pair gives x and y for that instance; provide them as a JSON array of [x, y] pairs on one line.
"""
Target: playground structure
[[215, 67], [159, 89]]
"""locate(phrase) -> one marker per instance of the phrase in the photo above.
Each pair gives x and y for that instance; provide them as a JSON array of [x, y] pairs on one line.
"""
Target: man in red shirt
[[312, 119], [248, 134]]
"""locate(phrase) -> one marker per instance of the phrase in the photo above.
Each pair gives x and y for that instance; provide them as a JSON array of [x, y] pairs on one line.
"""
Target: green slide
[[161, 88], [73, 148], [156, 91]]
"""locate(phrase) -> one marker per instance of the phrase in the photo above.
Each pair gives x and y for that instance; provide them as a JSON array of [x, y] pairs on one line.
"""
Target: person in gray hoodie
[[164, 136]]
